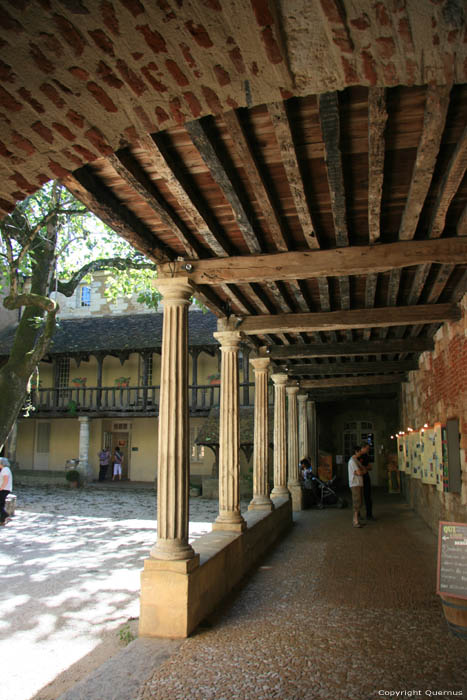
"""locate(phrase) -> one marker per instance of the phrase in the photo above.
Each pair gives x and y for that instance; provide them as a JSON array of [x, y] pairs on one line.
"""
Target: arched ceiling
[[305, 159]]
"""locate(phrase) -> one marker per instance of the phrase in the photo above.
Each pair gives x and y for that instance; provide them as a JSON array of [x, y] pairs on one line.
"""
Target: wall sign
[[452, 559]]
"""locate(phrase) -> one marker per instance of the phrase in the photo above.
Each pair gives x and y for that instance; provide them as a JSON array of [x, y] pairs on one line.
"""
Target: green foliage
[[125, 634]]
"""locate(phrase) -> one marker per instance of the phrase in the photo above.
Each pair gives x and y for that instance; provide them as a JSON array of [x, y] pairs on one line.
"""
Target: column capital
[[83, 419], [302, 398], [292, 389], [260, 364], [228, 339], [174, 289], [280, 378]]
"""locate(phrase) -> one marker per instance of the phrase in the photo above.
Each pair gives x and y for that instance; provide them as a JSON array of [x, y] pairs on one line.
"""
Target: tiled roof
[[118, 333]]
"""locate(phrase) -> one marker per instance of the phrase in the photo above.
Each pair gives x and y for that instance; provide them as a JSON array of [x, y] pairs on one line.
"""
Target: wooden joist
[[352, 381], [358, 260], [352, 368], [449, 186], [373, 347], [338, 320], [377, 117]]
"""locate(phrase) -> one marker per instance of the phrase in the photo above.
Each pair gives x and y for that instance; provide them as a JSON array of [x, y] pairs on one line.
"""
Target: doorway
[[42, 445]]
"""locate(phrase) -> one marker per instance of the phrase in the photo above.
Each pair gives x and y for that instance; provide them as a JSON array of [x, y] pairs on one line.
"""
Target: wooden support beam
[[87, 187], [252, 171], [284, 138], [374, 347], [386, 391], [436, 107], [352, 381], [358, 318], [356, 260], [352, 368], [449, 186], [201, 138], [377, 117], [330, 128]]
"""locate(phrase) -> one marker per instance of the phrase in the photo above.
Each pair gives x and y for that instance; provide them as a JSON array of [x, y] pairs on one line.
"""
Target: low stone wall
[[177, 596], [38, 477]]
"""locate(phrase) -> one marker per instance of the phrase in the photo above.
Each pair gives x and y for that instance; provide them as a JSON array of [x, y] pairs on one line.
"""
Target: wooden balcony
[[111, 401]]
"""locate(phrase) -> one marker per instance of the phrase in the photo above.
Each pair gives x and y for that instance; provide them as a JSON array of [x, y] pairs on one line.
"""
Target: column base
[[280, 492], [297, 497], [224, 523], [172, 550], [261, 503]]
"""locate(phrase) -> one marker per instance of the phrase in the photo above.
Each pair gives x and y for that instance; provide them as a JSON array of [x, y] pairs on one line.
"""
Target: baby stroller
[[325, 495]]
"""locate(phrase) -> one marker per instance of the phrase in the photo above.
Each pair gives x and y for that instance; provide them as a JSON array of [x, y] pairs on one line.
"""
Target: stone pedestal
[[261, 499], [280, 440], [293, 482], [229, 517]]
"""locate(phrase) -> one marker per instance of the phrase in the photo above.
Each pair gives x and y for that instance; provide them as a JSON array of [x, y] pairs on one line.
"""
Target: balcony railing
[[142, 399]]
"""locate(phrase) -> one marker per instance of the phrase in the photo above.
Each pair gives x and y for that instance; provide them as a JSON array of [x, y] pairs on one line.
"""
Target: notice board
[[452, 559]]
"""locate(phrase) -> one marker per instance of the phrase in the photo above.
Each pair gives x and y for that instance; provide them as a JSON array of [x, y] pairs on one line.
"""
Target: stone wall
[[437, 392]]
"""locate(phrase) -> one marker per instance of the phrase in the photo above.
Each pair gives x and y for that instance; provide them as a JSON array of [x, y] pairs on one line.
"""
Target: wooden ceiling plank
[[373, 347], [284, 138], [330, 128], [377, 367], [355, 318], [352, 381], [103, 203], [436, 107], [377, 118], [135, 177], [202, 140], [339, 262], [240, 300], [252, 171], [449, 186]]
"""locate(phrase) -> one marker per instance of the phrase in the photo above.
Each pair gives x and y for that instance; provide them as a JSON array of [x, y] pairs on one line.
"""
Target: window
[[145, 367], [63, 373], [85, 296], [356, 433]]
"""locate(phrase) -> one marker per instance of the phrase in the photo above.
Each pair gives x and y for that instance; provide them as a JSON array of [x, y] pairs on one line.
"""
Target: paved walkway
[[332, 612]]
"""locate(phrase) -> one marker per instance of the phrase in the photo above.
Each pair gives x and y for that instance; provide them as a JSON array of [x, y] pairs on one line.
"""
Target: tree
[[49, 244]]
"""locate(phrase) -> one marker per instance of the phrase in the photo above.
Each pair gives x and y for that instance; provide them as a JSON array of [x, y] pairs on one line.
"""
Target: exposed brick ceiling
[[234, 129]]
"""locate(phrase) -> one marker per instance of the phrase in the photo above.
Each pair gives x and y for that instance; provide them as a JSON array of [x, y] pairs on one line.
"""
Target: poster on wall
[[415, 455], [440, 457], [429, 455]]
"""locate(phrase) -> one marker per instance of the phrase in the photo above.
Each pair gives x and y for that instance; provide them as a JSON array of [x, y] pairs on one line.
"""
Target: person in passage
[[6, 486], [364, 460], [104, 459], [117, 462], [356, 472]]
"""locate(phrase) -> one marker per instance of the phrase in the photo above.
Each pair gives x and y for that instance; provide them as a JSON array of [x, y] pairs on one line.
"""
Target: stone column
[[293, 483], [312, 433], [261, 499], [303, 446], [280, 442], [84, 466], [229, 517], [173, 452]]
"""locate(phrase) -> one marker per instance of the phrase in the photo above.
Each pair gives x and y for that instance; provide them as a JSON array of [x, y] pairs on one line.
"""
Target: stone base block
[[174, 602], [229, 527], [297, 497]]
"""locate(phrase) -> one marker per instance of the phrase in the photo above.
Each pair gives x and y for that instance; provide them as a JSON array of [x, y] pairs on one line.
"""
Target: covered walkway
[[331, 612]]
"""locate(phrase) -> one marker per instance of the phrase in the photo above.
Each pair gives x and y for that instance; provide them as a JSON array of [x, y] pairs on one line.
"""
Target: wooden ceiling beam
[[252, 171], [387, 391], [284, 138], [211, 301], [449, 186], [352, 381], [358, 260], [357, 318], [436, 107], [373, 347], [99, 199], [377, 367], [199, 134], [377, 118]]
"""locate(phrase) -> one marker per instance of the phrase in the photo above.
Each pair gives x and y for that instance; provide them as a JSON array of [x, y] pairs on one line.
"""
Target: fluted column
[[84, 465], [173, 452], [280, 442], [229, 517], [261, 499], [303, 446], [312, 434], [293, 482]]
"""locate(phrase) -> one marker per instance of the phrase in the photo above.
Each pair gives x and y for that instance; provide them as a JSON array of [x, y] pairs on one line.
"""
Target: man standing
[[364, 460], [104, 459], [356, 483], [6, 486]]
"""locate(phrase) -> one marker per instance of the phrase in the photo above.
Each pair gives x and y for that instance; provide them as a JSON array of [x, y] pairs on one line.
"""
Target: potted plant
[[73, 477], [79, 381], [214, 378], [122, 382]]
